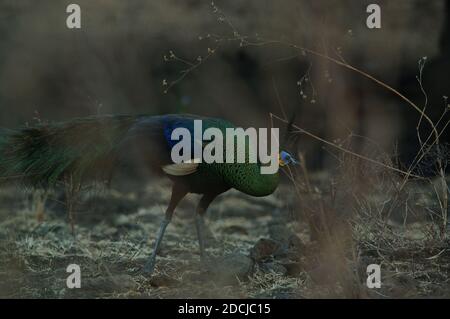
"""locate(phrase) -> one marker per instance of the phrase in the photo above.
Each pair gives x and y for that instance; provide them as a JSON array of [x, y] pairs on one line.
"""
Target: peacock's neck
[[252, 182], [265, 184]]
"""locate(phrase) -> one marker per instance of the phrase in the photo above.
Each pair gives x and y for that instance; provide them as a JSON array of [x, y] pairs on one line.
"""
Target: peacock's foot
[[149, 266]]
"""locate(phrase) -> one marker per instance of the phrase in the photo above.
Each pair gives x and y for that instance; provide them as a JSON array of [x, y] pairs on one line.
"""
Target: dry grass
[[345, 220]]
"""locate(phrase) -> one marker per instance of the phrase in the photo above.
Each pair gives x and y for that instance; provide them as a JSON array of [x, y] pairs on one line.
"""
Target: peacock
[[84, 150]]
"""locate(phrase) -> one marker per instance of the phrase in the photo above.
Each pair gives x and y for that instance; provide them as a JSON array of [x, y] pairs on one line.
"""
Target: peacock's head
[[285, 159]]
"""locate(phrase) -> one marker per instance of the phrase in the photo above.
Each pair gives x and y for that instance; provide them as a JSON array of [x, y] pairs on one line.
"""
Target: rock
[[295, 248], [264, 249], [292, 268], [291, 244], [232, 268]]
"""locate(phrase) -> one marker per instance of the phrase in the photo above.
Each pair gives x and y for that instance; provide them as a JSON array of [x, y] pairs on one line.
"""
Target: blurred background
[[316, 235], [115, 64]]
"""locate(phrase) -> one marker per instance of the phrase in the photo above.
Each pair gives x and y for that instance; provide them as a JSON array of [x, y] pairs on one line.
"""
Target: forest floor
[[259, 248]]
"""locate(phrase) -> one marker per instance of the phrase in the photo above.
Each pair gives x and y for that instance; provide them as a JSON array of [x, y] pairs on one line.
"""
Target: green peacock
[[90, 149]]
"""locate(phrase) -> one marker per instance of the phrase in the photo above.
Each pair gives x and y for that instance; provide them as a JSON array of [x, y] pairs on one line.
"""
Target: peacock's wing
[[150, 140]]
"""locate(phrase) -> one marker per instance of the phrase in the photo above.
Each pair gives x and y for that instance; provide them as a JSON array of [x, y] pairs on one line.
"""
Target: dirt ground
[[258, 248]]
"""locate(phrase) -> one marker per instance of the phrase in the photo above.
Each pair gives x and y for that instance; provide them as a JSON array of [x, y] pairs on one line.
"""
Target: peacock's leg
[[150, 265], [203, 205], [177, 195], [200, 225]]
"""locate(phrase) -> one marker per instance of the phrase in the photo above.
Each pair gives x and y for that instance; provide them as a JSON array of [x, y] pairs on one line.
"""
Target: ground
[[258, 247]]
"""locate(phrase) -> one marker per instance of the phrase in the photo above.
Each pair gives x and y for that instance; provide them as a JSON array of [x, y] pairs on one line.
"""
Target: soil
[[257, 247]]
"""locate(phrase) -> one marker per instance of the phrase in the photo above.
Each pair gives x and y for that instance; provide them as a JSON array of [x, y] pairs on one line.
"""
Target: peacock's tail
[[79, 149]]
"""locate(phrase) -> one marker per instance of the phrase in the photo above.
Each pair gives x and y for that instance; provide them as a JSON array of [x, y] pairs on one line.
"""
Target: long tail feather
[[45, 154]]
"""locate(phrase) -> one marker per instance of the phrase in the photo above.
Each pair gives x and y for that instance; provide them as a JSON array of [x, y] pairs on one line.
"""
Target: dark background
[[115, 64]]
